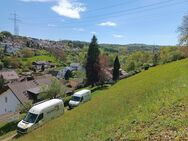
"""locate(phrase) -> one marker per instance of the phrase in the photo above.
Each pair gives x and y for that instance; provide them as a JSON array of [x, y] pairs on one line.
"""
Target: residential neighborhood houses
[[18, 93], [38, 65], [20, 90]]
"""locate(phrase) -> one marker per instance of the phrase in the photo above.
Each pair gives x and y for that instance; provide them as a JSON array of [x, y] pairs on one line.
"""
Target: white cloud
[[108, 23], [69, 8], [79, 29], [51, 25], [117, 35], [37, 0]]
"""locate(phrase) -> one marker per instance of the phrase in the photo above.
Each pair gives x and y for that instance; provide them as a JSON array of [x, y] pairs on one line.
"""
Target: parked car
[[79, 97], [39, 114]]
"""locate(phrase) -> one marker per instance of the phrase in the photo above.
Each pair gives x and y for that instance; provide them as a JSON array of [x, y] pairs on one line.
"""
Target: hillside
[[67, 45], [150, 105]]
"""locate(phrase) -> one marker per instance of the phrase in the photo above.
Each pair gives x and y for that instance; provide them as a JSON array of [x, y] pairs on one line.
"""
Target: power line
[[131, 9], [123, 13], [120, 11]]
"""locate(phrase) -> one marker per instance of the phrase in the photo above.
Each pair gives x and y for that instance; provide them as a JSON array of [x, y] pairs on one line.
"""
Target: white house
[[8, 102], [20, 92]]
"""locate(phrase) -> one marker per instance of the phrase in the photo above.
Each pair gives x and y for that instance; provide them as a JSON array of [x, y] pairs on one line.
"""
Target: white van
[[39, 114], [79, 97]]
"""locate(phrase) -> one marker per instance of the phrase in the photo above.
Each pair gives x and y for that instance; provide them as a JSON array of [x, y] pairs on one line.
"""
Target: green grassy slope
[[150, 105]]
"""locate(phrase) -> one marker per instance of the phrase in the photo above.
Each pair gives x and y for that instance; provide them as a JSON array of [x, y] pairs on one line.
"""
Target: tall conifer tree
[[92, 65], [116, 69]]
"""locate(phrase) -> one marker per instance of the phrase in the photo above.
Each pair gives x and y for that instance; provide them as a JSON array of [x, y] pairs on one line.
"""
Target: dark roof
[[35, 90], [40, 63], [20, 88]]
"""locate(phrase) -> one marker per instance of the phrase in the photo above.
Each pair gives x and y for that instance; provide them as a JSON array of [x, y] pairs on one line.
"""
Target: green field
[[39, 58], [150, 105]]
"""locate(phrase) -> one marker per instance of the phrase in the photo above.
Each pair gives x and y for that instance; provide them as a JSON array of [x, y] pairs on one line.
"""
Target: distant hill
[[67, 45], [152, 105]]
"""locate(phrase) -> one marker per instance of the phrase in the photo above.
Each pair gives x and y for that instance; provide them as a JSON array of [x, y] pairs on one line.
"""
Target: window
[[75, 98], [6, 99], [81, 99], [40, 117], [30, 117]]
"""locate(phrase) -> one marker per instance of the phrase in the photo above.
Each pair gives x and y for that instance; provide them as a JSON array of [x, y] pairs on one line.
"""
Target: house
[[76, 66], [20, 92], [10, 48], [72, 67], [61, 73], [9, 76], [8, 102], [39, 64]]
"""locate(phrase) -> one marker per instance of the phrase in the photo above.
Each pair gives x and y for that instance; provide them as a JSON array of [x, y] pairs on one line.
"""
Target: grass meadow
[[150, 105]]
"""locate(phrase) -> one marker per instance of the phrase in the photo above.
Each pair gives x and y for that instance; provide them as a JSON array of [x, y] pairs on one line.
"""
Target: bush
[[146, 66], [1, 65], [27, 53], [131, 66], [25, 107], [8, 127]]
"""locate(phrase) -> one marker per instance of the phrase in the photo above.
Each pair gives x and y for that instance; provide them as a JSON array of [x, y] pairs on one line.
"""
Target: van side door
[[39, 119]]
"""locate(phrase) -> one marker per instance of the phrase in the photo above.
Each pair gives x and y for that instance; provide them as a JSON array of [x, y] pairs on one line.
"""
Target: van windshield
[[30, 117], [76, 98]]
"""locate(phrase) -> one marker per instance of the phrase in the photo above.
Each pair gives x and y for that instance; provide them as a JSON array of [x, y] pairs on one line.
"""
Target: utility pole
[[15, 21]]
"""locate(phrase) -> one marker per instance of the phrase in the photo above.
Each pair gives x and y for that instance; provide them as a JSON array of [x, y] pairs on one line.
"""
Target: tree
[[26, 52], [5, 49], [1, 65], [68, 74], [42, 68], [92, 64], [104, 73], [155, 59], [1, 53], [13, 62], [53, 90], [183, 29], [6, 34], [24, 108], [131, 66], [2, 81], [116, 69]]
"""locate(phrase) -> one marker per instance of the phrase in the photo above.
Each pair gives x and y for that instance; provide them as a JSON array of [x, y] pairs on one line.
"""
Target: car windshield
[[75, 98], [30, 117]]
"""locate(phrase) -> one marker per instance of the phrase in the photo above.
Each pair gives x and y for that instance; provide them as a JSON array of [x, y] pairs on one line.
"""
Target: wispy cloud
[[108, 23], [79, 29], [52, 25], [117, 35], [37, 0], [69, 8]]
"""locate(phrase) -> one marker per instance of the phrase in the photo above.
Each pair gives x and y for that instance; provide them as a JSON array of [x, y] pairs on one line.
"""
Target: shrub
[[1, 65], [131, 66], [145, 66], [25, 107]]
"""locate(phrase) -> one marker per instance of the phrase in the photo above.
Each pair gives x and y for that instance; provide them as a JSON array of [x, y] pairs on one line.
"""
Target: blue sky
[[113, 21]]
